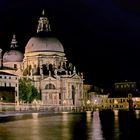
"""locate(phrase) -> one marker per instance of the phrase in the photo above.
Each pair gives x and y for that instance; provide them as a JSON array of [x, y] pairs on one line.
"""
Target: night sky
[[100, 37]]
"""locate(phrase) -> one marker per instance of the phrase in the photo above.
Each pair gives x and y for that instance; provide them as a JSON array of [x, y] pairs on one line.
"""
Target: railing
[[31, 107], [40, 107]]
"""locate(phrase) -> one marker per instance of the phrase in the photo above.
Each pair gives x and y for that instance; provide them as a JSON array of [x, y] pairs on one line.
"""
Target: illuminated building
[[45, 63], [125, 87]]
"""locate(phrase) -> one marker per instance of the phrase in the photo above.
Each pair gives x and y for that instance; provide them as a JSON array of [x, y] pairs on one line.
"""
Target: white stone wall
[[12, 64]]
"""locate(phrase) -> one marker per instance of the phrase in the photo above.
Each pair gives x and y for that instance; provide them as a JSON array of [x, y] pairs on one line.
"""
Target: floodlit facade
[[45, 63]]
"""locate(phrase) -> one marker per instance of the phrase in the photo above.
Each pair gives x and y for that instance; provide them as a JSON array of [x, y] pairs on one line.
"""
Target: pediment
[[76, 77]]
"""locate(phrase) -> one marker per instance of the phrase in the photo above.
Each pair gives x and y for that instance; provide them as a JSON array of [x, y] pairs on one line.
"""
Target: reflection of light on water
[[35, 115], [35, 129], [65, 126], [137, 114], [116, 124], [115, 112], [64, 117], [88, 112], [89, 121], [88, 116], [97, 129]]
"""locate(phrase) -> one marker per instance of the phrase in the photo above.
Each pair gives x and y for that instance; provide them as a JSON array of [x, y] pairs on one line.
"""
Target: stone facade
[[45, 63]]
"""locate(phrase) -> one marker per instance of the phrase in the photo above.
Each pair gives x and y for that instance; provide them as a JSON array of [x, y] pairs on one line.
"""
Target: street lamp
[[88, 104]]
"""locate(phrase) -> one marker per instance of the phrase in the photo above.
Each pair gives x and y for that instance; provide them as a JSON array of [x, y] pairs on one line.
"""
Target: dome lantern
[[43, 23], [44, 41], [14, 42]]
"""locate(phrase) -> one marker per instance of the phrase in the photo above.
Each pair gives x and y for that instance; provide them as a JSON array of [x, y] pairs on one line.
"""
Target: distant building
[[125, 86], [86, 90], [124, 96], [45, 63], [122, 89], [120, 96]]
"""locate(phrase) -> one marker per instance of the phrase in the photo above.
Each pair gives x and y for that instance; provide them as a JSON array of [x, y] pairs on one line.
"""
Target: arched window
[[50, 86]]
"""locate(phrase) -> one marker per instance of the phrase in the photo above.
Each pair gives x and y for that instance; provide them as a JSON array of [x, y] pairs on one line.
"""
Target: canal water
[[98, 125]]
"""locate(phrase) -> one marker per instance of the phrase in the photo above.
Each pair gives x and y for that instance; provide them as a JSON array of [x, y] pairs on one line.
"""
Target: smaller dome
[[13, 56]]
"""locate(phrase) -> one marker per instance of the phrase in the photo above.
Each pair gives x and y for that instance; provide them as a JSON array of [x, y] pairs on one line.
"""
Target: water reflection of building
[[45, 63], [97, 127]]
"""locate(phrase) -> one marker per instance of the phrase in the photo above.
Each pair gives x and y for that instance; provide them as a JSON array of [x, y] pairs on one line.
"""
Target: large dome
[[12, 56], [43, 44]]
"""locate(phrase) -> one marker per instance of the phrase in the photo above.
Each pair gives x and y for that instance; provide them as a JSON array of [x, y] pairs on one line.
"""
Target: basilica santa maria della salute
[[45, 64]]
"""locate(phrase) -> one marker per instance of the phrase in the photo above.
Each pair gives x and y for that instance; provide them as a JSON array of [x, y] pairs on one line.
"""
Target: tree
[[27, 91]]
